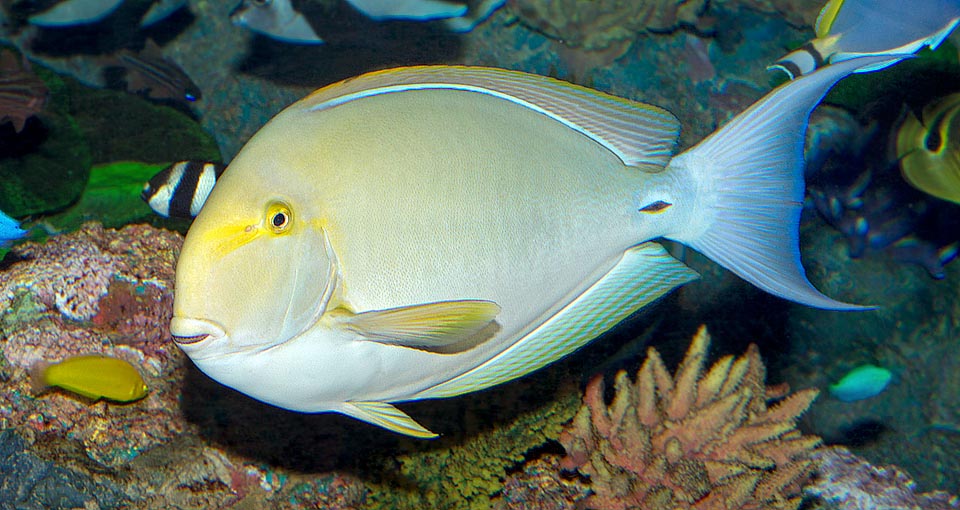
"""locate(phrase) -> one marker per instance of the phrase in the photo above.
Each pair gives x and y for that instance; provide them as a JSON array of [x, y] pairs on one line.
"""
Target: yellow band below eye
[[231, 237]]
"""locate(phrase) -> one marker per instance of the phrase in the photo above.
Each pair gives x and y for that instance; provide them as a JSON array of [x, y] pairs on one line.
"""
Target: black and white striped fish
[[179, 190]]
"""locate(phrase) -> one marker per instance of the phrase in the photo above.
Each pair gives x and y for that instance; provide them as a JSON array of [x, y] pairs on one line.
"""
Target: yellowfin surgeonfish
[[847, 29], [426, 232], [929, 149], [93, 376]]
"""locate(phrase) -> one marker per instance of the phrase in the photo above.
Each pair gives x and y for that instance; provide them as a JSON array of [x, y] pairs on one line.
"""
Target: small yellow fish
[[929, 149], [93, 376]]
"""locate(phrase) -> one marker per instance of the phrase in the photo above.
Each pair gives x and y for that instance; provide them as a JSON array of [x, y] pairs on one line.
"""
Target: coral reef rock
[[851, 483], [692, 441], [799, 13], [95, 291], [599, 25]]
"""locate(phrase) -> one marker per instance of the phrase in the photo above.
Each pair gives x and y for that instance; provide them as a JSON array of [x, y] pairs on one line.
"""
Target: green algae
[[467, 471], [121, 126], [112, 197], [862, 92], [44, 167]]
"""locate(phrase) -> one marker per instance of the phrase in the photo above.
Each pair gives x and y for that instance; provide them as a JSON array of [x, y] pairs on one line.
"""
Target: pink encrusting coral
[[94, 291], [693, 440]]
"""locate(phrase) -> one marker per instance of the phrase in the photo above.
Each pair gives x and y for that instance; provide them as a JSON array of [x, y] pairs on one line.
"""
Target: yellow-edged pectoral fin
[[428, 325], [386, 416]]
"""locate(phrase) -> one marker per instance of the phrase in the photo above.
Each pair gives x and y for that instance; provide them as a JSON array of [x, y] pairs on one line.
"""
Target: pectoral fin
[[429, 325], [386, 416]]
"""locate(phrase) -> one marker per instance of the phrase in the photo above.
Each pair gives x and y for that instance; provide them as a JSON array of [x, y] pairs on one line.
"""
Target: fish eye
[[279, 217], [933, 142], [260, 3]]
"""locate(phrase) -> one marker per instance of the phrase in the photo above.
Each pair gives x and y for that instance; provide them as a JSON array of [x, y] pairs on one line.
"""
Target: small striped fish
[[150, 73], [179, 190]]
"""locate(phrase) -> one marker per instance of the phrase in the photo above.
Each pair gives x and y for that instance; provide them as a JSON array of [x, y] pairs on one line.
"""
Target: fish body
[[75, 12], [929, 149], [92, 376], [180, 190], [430, 231], [277, 19], [160, 11], [409, 9], [861, 383], [149, 72], [852, 28], [10, 230], [284, 21]]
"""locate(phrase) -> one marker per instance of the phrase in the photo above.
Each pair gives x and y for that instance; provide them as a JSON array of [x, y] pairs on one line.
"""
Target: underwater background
[[95, 275]]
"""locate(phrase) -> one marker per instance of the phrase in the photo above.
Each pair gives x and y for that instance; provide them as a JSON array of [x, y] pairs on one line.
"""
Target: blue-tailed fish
[[180, 190], [93, 376], [861, 383], [426, 232], [929, 149], [847, 29]]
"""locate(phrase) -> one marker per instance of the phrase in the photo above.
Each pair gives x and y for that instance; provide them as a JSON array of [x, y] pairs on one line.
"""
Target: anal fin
[[644, 273], [387, 416]]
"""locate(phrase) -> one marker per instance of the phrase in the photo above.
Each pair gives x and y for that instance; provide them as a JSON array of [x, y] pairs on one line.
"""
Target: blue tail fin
[[749, 176]]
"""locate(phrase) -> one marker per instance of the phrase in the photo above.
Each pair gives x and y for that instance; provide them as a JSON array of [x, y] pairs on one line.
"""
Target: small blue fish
[[10, 230], [862, 382]]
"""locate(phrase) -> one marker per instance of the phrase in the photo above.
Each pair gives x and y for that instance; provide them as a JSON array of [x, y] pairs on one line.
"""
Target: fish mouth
[[187, 331]]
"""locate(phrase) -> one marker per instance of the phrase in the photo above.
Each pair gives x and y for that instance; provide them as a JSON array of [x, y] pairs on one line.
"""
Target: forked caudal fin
[[750, 180]]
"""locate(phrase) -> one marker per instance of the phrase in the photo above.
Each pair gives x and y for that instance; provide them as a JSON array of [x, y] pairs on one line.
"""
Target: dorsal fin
[[826, 17], [637, 133]]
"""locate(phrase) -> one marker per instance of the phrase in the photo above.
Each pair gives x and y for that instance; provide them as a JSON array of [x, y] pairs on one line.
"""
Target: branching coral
[[692, 441]]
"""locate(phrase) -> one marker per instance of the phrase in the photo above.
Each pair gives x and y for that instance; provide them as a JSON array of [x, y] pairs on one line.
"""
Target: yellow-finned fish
[[425, 232], [929, 149], [848, 29], [93, 376]]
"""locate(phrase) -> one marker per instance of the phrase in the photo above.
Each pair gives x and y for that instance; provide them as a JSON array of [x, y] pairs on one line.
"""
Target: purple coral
[[851, 483]]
